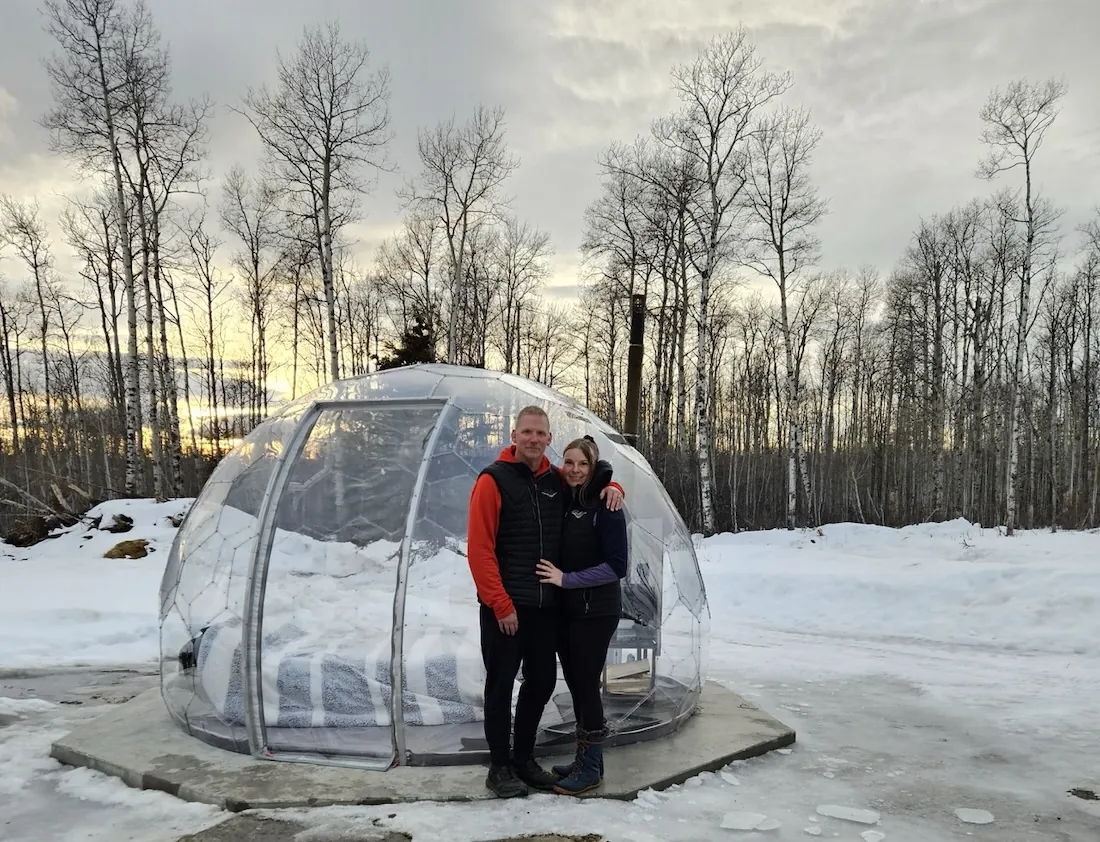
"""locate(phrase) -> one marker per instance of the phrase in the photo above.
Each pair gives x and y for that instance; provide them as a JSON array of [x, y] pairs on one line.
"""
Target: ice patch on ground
[[849, 814], [968, 815], [748, 821]]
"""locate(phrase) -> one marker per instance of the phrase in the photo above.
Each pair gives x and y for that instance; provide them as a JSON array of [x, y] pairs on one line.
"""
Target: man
[[517, 508]]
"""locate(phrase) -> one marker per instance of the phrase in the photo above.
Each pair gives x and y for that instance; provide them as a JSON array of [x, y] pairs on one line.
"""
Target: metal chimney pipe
[[634, 369]]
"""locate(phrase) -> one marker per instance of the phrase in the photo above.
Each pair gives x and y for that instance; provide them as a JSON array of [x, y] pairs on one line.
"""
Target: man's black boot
[[532, 774], [503, 782]]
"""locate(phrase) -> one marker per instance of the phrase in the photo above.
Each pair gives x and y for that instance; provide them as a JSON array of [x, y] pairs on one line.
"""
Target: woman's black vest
[[580, 549], [531, 512]]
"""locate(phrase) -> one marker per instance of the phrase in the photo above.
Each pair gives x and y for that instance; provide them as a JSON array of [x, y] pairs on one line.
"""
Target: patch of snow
[[45, 800], [639, 836], [21, 707], [648, 798], [24, 756], [62, 603]]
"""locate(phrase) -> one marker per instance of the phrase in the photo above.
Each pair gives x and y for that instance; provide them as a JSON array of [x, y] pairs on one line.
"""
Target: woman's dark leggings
[[582, 649]]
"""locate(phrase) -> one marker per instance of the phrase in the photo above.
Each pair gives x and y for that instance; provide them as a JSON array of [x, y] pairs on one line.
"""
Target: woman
[[594, 559]]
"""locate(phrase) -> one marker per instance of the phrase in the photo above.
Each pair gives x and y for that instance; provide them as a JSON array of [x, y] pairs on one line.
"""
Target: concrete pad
[[139, 743], [78, 685]]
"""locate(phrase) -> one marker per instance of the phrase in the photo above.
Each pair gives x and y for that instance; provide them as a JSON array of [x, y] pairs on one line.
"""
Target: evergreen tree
[[416, 345]]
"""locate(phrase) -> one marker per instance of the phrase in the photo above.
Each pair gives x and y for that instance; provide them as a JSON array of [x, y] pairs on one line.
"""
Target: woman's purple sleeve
[[601, 574], [611, 527]]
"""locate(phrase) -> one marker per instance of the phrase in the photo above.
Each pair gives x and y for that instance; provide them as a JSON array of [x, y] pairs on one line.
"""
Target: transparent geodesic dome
[[323, 565]]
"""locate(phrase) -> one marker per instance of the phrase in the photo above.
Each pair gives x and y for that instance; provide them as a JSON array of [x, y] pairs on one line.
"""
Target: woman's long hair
[[591, 452]]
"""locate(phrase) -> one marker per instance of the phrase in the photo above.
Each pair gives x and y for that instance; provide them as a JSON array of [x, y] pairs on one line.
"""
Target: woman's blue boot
[[587, 773], [564, 770]]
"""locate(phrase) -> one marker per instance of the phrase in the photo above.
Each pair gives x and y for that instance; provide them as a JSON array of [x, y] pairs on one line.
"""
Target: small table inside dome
[[638, 630]]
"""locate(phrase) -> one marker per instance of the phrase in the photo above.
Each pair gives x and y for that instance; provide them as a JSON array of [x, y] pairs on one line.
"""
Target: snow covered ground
[[938, 675], [63, 603]]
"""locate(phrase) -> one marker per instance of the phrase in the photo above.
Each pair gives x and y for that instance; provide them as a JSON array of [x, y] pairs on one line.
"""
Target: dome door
[[325, 605]]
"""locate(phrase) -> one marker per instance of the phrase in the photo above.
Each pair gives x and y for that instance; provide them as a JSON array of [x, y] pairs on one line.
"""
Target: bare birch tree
[[462, 170], [519, 256], [1015, 122], [211, 287], [326, 120], [91, 231], [721, 93], [409, 276], [10, 328], [88, 82], [250, 211], [165, 142], [22, 228], [784, 209]]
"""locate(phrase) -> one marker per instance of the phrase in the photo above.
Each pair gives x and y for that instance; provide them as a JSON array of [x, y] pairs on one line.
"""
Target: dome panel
[[412, 382]]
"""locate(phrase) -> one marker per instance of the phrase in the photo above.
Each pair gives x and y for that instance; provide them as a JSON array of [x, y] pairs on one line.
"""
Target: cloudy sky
[[895, 84]]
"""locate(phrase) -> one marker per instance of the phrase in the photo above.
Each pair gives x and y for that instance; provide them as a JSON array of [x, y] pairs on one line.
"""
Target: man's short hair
[[532, 410]]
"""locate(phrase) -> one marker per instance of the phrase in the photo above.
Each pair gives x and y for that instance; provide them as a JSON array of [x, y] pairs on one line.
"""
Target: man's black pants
[[582, 647], [532, 646]]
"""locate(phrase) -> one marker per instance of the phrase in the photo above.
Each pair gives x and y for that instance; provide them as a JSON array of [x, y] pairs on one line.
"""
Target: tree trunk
[[6, 328], [681, 370], [212, 370], [113, 341], [702, 393], [186, 369], [458, 296], [1015, 405], [43, 338], [327, 279], [147, 247], [791, 398], [295, 333], [169, 389]]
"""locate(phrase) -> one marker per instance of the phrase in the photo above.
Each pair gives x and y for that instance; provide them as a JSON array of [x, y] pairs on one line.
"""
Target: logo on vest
[[577, 513], [549, 493]]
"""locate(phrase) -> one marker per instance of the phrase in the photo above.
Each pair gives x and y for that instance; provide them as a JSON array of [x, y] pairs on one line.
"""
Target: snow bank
[[63, 603], [949, 583]]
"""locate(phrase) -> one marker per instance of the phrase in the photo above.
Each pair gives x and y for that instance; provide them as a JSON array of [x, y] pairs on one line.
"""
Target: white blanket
[[344, 683]]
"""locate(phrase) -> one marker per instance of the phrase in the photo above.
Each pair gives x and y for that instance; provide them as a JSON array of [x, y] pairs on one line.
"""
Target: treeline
[[960, 384]]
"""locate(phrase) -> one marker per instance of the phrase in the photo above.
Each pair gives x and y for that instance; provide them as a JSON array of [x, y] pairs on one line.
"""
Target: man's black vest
[[531, 513], [581, 549]]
